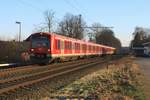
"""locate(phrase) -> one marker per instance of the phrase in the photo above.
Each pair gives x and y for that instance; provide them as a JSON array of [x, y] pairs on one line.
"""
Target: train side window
[[93, 48], [83, 47], [57, 44], [89, 48], [68, 45], [71, 45], [78, 46], [65, 44], [75, 46], [97, 48]]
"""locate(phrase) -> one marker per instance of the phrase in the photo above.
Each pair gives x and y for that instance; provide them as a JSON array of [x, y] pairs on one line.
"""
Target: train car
[[47, 47]]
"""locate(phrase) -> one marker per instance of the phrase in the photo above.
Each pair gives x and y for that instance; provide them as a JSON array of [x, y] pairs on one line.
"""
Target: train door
[[103, 51], [62, 48], [57, 47], [73, 47]]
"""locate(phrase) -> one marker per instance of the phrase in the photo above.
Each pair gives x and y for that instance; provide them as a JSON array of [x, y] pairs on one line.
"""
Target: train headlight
[[32, 49], [48, 50]]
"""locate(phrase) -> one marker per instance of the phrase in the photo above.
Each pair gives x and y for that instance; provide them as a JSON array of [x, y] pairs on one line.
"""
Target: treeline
[[71, 25], [140, 36], [107, 37], [75, 26], [10, 51]]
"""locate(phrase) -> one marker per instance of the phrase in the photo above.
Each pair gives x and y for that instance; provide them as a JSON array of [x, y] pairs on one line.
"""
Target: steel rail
[[33, 68], [30, 82], [42, 72]]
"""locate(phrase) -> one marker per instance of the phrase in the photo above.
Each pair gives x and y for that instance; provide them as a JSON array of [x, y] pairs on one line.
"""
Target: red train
[[46, 47]]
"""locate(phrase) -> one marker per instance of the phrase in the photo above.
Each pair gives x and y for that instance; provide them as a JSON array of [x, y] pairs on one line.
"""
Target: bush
[[11, 51]]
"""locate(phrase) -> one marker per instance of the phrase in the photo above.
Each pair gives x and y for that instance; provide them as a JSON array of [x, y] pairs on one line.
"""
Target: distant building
[[141, 44], [138, 51], [143, 50], [147, 48]]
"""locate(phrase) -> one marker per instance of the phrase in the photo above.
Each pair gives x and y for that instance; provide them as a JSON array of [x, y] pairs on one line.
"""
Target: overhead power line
[[71, 5], [30, 5], [75, 7], [78, 8], [98, 27], [81, 7]]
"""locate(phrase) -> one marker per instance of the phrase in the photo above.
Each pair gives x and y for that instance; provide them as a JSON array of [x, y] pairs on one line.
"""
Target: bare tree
[[96, 28], [95, 31], [40, 28], [72, 26], [142, 32], [140, 36], [49, 19], [48, 23]]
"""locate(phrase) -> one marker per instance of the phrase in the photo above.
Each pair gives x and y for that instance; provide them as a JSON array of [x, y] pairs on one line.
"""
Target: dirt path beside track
[[145, 68]]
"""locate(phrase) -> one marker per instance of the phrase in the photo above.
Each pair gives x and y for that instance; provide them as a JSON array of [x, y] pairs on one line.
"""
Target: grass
[[121, 81], [117, 82]]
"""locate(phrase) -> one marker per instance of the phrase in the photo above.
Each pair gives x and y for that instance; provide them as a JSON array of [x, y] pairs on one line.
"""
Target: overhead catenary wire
[[81, 8], [74, 5], [78, 8], [98, 27], [71, 5], [30, 5]]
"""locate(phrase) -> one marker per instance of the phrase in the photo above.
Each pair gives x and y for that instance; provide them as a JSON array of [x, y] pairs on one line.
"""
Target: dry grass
[[117, 82]]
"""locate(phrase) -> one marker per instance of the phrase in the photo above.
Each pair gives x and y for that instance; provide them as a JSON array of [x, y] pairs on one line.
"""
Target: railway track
[[15, 81], [12, 72]]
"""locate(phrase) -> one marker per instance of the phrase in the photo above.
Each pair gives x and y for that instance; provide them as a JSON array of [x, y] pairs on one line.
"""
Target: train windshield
[[40, 42]]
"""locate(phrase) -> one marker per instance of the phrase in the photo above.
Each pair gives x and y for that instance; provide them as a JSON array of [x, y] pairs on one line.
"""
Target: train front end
[[40, 48]]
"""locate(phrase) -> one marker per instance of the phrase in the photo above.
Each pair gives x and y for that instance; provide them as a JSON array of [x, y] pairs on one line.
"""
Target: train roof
[[65, 37], [33, 34]]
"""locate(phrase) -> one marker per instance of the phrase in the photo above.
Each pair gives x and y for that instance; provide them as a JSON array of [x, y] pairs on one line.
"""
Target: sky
[[123, 15]]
